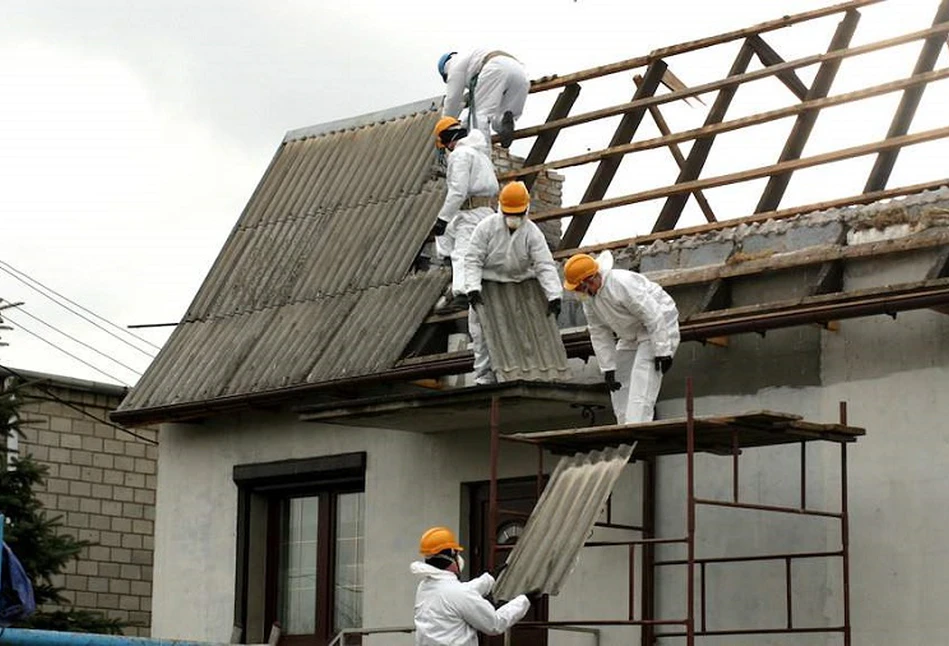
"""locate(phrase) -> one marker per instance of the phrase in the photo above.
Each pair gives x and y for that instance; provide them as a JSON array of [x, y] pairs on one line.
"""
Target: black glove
[[474, 298], [610, 378], [534, 596], [439, 228], [553, 307], [663, 363]]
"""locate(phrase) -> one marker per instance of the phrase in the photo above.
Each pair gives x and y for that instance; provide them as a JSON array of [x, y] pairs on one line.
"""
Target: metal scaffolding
[[725, 436]]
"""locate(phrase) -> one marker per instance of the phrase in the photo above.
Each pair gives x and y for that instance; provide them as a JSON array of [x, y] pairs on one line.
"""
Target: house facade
[[302, 454]]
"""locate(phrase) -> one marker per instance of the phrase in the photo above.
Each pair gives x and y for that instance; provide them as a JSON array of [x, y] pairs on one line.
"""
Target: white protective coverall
[[645, 321], [502, 86], [449, 612], [500, 254], [470, 173]]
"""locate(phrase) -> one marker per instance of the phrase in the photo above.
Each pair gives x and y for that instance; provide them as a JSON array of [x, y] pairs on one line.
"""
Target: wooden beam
[[804, 124], [744, 176], [830, 279], [734, 124], [903, 117], [656, 115], [853, 200], [940, 268], [550, 82], [718, 296], [698, 154], [720, 84], [608, 166], [545, 142], [768, 56]]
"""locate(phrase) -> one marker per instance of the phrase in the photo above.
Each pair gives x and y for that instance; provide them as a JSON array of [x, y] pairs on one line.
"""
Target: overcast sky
[[132, 133]]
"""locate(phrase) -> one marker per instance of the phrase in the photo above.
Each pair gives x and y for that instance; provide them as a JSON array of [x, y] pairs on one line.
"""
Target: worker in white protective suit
[[645, 322], [471, 195], [449, 612], [497, 87], [508, 248]]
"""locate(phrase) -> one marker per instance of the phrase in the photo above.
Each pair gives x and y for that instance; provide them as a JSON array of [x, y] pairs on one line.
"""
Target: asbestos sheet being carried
[[547, 551], [523, 340]]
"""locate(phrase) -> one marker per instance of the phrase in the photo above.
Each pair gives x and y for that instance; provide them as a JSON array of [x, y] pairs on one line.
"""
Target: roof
[[329, 236]]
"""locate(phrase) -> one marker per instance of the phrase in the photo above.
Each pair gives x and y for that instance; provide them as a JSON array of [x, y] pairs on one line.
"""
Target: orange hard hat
[[577, 269], [514, 198], [436, 540], [442, 125]]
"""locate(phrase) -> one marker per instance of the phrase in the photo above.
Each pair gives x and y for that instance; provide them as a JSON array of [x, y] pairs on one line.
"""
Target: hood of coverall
[[423, 570], [476, 140]]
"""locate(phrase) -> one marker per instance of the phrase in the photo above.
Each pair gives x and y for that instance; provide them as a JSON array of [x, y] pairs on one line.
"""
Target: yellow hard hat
[[577, 269], [514, 198], [444, 124], [437, 539]]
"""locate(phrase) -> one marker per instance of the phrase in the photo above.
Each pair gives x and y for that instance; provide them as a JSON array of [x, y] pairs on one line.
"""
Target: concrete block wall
[[102, 483]]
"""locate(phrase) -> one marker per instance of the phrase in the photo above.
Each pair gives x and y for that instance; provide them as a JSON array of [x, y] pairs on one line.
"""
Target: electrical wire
[[66, 352], [13, 271], [74, 339], [68, 404]]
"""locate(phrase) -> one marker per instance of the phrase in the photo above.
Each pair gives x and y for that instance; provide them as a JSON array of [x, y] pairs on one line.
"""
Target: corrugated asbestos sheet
[[314, 282], [523, 341], [546, 552]]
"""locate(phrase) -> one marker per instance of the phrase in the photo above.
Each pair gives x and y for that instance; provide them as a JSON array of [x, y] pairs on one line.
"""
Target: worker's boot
[[506, 133]]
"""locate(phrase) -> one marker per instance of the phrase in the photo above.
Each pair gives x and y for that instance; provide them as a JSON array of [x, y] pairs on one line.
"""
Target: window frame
[[325, 477]]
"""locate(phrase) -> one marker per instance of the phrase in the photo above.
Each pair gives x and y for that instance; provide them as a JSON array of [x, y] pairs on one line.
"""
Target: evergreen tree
[[35, 537]]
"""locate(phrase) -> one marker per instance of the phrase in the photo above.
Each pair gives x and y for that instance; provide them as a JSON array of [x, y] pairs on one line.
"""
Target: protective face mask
[[513, 222], [583, 296], [460, 560]]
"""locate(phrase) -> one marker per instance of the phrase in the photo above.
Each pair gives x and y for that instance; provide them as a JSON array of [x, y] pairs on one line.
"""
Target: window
[[301, 533]]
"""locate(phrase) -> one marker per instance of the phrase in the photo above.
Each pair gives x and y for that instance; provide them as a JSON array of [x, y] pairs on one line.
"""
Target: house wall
[[102, 483], [892, 373]]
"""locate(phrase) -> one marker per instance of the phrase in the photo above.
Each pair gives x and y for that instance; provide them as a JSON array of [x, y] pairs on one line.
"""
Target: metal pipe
[[748, 505], [632, 582], [648, 590], [735, 465], [787, 591], [493, 483], [690, 492], [756, 631], [757, 557], [845, 527], [29, 637], [803, 475]]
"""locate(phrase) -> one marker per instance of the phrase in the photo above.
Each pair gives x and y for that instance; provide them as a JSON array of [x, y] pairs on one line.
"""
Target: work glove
[[439, 228], [534, 596], [663, 363], [610, 378], [474, 298], [553, 307]]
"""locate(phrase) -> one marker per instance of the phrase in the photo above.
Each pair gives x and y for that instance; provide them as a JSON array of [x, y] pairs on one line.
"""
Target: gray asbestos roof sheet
[[315, 281], [523, 340], [547, 551]]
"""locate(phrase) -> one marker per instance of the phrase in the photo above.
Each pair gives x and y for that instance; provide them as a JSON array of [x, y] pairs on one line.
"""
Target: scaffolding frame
[[695, 622]]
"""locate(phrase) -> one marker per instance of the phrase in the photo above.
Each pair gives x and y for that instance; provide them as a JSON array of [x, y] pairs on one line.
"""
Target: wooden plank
[[660, 121], [810, 256], [829, 280], [768, 56], [606, 170], [698, 154], [734, 124], [545, 142], [720, 84], [744, 176], [804, 124], [903, 117], [853, 200], [550, 82]]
